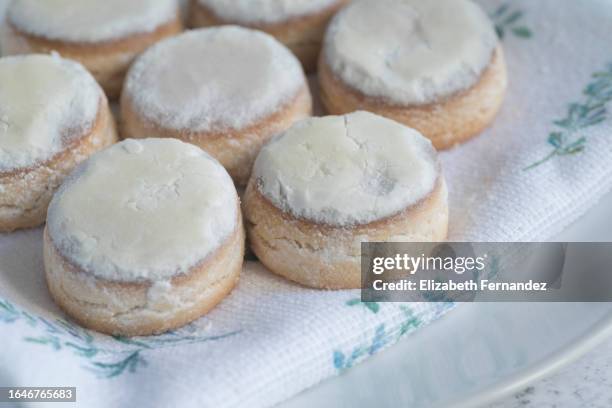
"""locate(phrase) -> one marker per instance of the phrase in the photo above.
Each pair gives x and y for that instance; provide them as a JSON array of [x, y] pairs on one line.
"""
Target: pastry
[[105, 36], [143, 237], [227, 90], [53, 115], [299, 24], [436, 66], [327, 184]]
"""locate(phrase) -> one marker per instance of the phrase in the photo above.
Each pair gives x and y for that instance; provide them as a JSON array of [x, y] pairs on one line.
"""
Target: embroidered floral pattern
[[382, 337], [373, 307], [568, 139], [111, 359], [508, 20]]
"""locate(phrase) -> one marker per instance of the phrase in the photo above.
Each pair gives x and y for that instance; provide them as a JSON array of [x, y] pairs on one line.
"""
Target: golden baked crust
[[447, 123], [236, 150], [128, 309], [328, 257], [302, 35], [26, 193], [107, 61]]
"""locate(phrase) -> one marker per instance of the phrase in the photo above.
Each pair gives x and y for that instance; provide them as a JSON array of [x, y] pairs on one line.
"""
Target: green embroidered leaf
[[522, 32], [353, 302], [82, 351], [512, 18], [75, 331], [373, 306], [111, 370], [575, 147], [592, 121], [49, 327], [594, 116], [8, 313], [564, 123], [595, 88], [52, 341], [339, 359], [500, 32], [506, 20], [131, 341], [603, 74], [573, 150], [555, 139], [30, 320], [380, 340], [410, 323]]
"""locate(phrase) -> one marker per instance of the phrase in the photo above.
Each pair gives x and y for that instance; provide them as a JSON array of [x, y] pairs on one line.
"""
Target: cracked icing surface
[[228, 78], [45, 103], [410, 51], [264, 11], [345, 170], [143, 210], [90, 20]]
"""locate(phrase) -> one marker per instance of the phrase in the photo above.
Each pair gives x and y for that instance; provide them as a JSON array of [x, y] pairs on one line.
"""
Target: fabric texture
[[542, 164]]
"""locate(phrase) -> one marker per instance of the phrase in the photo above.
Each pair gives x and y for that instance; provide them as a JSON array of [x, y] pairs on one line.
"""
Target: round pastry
[[143, 237], [436, 66], [299, 24], [53, 115], [233, 89], [105, 36], [327, 184]]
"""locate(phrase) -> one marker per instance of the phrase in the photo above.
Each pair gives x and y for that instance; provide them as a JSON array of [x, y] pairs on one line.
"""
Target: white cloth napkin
[[271, 339]]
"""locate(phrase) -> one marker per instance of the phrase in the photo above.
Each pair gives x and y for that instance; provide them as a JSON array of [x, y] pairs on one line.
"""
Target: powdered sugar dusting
[[410, 51], [45, 102], [90, 20], [216, 78], [143, 210], [345, 170], [264, 11]]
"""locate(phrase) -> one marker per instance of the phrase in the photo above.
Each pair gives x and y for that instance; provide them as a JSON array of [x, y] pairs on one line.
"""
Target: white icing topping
[[344, 170], [90, 20], [143, 210], [410, 51], [45, 103], [264, 11], [217, 78]]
